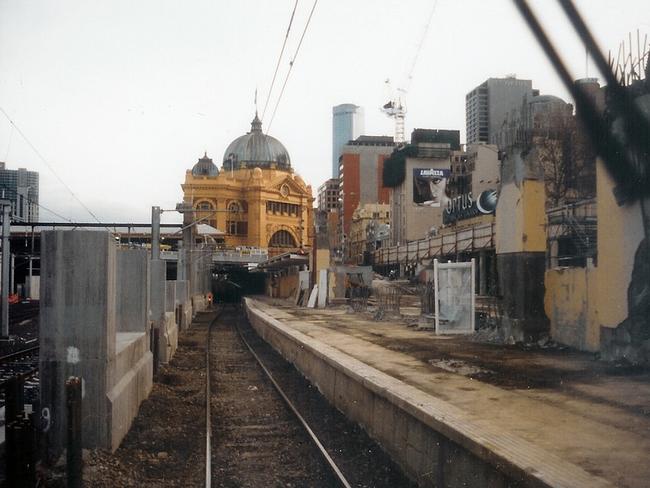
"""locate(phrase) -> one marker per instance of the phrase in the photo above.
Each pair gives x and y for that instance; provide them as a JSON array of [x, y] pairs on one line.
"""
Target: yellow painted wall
[[571, 305], [521, 217], [588, 298], [620, 230]]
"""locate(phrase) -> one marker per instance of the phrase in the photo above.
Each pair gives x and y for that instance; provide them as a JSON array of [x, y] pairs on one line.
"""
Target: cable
[[277, 66], [11, 135], [291, 63], [42, 158], [29, 200]]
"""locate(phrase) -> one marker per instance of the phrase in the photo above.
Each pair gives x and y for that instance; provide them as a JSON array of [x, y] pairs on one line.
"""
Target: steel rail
[[22, 376], [208, 421], [17, 354], [335, 469]]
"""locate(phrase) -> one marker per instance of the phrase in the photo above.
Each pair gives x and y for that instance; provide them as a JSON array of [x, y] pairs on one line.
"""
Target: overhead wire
[[50, 167], [277, 66], [40, 205], [291, 63]]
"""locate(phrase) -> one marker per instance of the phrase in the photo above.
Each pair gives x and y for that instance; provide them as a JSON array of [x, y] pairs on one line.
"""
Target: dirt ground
[[166, 444]]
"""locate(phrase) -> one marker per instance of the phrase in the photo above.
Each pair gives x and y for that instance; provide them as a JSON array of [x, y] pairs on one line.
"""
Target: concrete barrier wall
[[170, 296], [168, 338], [132, 278], [199, 303], [430, 439], [79, 337], [183, 304]]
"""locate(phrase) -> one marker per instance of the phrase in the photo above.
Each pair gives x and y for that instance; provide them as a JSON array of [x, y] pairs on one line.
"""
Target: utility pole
[[155, 233], [6, 229]]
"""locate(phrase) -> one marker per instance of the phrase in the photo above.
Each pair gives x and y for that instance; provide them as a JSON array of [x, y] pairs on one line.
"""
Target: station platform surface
[[586, 412]]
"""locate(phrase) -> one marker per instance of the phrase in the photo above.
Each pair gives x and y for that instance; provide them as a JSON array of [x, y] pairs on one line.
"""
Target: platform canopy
[[285, 260]]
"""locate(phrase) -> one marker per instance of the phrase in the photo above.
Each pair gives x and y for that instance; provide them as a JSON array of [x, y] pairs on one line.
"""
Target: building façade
[[256, 199]]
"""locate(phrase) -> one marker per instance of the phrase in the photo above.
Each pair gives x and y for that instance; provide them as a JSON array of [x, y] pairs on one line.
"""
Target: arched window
[[206, 212], [204, 206], [282, 238], [234, 208]]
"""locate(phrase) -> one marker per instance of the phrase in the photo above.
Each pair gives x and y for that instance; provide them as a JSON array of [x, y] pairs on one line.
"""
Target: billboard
[[430, 187], [467, 206]]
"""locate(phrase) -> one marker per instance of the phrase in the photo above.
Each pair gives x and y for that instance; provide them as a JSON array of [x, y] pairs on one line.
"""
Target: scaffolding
[[571, 233]]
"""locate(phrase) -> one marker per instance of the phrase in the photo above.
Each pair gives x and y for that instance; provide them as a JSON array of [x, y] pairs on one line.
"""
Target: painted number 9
[[46, 419]]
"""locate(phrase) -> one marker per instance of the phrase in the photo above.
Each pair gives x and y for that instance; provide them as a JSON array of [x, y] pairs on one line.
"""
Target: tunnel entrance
[[230, 283]]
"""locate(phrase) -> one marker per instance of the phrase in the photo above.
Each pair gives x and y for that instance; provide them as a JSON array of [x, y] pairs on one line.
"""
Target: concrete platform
[[454, 412]]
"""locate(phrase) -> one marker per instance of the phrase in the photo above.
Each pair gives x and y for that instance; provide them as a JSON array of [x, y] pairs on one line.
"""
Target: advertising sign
[[466, 206], [430, 186]]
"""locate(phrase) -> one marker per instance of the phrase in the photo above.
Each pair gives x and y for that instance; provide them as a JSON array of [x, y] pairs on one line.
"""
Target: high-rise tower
[[347, 125], [488, 105]]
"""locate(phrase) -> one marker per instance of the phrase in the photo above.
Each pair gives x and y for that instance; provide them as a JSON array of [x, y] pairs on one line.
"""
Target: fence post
[[74, 459]]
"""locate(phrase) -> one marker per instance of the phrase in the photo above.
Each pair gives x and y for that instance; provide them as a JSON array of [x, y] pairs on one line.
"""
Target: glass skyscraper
[[347, 125]]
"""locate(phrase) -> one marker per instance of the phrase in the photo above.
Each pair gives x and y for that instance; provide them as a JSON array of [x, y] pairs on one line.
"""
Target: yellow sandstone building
[[256, 199]]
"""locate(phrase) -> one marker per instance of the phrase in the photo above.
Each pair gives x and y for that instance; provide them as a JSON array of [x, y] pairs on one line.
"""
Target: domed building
[[255, 198]]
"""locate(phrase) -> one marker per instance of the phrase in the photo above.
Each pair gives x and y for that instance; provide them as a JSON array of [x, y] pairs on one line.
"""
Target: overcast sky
[[121, 96]]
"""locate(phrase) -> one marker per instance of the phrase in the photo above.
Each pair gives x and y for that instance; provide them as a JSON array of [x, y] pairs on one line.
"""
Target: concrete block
[[132, 276], [132, 384], [199, 303], [182, 293], [79, 335], [168, 340], [35, 288], [322, 288], [170, 296], [77, 328]]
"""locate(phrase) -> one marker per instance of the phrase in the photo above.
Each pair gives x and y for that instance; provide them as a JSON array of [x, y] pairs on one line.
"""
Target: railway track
[[23, 364], [268, 426], [21, 352]]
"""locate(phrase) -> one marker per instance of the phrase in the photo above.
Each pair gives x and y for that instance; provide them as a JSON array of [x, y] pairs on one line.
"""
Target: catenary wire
[[39, 205], [291, 63], [50, 167], [277, 66]]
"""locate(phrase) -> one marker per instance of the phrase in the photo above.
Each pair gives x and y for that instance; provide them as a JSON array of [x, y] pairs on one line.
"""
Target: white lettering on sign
[[73, 355]]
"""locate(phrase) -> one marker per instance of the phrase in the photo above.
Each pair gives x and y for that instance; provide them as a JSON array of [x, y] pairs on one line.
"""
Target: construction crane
[[396, 106]]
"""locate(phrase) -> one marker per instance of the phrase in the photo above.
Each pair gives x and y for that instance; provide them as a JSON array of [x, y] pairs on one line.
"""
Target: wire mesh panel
[[388, 301], [427, 293], [359, 298], [454, 291]]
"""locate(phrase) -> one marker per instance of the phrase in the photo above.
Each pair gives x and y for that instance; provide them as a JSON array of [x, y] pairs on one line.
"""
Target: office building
[[347, 125], [488, 105], [417, 175], [328, 195], [21, 188], [360, 181]]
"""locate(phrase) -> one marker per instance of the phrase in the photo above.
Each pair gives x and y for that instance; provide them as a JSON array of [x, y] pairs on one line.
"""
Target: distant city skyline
[[122, 98]]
